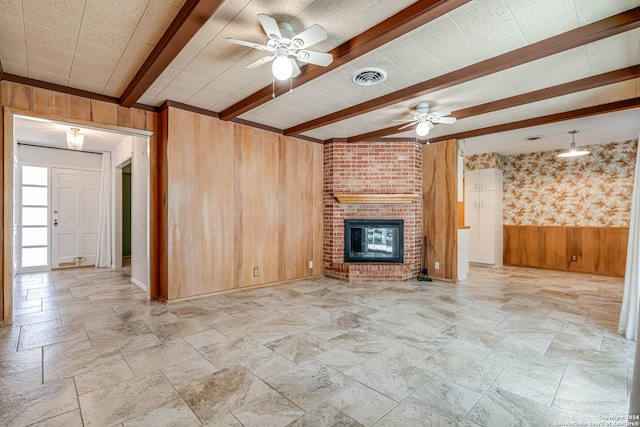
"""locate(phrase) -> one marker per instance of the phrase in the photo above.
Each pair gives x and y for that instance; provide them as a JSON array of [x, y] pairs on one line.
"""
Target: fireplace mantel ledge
[[374, 198]]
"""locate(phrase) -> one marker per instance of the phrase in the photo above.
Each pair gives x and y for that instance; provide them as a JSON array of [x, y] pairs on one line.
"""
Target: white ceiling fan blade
[[413, 122], [296, 69], [441, 113], [317, 58], [404, 120], [248, 44], [445, 120], [312, 35], [260, 61], [270, 27]]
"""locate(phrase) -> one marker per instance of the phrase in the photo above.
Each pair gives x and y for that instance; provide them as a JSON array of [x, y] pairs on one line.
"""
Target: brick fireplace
[[365, 171]]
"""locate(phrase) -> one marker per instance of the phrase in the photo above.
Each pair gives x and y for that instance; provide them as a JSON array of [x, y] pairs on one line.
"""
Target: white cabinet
[[483, 214]]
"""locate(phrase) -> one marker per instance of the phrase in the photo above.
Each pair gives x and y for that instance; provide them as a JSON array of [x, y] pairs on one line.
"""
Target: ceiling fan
[[284, 44], [425, 120]]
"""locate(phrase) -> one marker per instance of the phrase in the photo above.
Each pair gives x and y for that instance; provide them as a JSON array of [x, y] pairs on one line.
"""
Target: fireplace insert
[[377, 240]]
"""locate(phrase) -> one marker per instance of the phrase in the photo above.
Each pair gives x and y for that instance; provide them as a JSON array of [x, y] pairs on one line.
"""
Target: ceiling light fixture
[[423, 128], [75, 139], [574, 151], [282, 67]]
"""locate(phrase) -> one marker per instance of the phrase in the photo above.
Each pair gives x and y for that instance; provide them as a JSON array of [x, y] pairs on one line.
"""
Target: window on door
[[34, 214]]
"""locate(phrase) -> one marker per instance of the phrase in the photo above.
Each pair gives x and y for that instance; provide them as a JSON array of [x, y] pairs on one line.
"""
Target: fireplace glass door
[[374, 241]]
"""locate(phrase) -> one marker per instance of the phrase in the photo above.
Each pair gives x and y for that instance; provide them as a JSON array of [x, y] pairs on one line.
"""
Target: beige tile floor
[[508, 346]]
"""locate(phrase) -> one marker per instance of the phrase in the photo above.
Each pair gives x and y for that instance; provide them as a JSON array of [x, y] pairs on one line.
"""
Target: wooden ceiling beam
[[399, 24], [595, 31], [191, 17], [587, 83], [537, 121]]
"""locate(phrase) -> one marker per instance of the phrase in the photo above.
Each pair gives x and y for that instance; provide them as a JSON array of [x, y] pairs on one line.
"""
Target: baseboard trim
[[245, 288], [139, 284]]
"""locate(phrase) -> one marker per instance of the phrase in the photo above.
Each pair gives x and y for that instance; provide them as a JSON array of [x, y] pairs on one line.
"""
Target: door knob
[[55, 222]]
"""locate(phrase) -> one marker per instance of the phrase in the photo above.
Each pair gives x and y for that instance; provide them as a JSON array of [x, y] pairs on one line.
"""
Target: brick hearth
[[372, 167]]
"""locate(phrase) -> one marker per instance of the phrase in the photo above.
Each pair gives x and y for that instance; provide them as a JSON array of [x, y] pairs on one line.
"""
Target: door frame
[[6, 210]]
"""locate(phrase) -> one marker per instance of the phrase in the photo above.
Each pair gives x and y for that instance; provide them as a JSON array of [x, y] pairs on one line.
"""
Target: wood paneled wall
[[440, 201], [42, 103], [238, 198], [598, 250]]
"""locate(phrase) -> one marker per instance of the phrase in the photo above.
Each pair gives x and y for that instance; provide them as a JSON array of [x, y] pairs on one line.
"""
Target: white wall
[[135, 150]]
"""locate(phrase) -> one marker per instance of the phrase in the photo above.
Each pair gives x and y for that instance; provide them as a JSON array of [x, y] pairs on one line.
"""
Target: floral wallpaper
[[541, 189], [594, 190], [484, 161]]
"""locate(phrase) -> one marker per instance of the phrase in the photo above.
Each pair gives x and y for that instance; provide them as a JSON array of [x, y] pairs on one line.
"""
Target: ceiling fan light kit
[[282, 67], [286, 46], [574, 151], [425, 120]]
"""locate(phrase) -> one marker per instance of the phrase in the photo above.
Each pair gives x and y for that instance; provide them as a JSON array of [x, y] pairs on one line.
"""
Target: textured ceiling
[[99, 46]]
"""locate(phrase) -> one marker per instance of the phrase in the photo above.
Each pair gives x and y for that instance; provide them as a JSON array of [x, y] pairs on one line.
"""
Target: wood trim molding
[[401, 23], [368, 199], [552, 118], [168, 103], [58, 88], [1, 72], [603, 79], [604, 28], [191, 17]]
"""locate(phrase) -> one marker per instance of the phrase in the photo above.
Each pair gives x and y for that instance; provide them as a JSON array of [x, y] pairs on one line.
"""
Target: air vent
[[369, 76]]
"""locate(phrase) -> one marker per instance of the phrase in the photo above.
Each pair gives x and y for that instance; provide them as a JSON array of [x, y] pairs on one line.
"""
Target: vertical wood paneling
[[161, 207], [124, 116], [104, 112], [217, 205], [79, 108], [239, 198], [599, 250], [180, 196], [440, 218], [318, 208], [61, 104], [43, 101], [551, 246]]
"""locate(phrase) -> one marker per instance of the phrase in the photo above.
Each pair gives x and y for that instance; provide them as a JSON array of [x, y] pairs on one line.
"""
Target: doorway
[[131, 143], [126, 217]]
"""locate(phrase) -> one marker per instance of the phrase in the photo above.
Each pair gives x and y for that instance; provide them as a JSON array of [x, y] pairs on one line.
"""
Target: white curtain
[[631, 299], [103, 257]]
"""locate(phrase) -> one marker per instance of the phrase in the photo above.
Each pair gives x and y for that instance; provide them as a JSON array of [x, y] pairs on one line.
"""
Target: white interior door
[[75, 196]]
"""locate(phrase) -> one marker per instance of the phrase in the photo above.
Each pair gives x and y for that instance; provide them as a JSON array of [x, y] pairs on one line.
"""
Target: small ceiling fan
[[283, 43], [425, 120]]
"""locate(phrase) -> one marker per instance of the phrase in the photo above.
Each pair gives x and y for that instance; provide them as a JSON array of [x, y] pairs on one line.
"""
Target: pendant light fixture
[[574, 151], [75, 139]]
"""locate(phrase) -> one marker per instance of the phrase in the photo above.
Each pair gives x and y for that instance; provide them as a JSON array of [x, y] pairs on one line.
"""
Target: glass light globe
[[282, 67], [422, 129]]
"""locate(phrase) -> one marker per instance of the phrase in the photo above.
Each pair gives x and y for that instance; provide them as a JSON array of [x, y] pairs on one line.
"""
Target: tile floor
[[508, 346]]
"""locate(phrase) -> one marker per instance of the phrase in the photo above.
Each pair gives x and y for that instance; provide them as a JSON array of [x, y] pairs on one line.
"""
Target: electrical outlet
[[255, 271], [310, 264], [437, 265], [574, 258]]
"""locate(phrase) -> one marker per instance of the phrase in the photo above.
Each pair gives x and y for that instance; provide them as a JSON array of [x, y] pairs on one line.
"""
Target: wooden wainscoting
[[598, 250]]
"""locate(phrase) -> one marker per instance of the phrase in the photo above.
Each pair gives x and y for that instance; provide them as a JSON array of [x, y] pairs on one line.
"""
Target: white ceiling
[[99, 46]]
